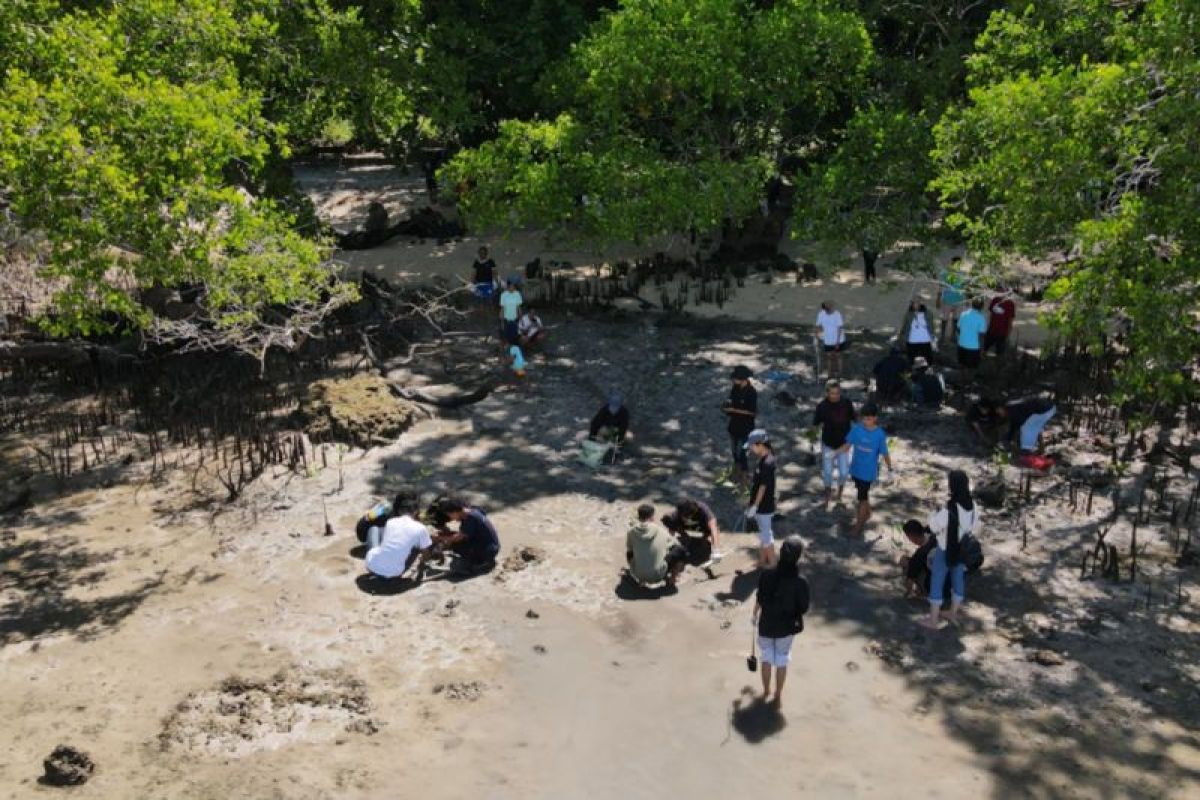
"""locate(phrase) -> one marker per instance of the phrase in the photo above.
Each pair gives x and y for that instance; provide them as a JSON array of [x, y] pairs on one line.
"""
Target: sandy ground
[[198, 649]]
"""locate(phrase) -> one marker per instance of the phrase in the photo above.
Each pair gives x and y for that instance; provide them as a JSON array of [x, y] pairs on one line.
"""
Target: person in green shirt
[[653, 554]]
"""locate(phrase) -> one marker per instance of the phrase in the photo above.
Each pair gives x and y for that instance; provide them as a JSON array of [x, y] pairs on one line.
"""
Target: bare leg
[[780, 677], [766, 679], [931, 619], [766, 556], [860, 519]]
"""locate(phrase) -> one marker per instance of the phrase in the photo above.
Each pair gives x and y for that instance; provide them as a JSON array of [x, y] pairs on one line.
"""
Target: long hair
[[960, 496]]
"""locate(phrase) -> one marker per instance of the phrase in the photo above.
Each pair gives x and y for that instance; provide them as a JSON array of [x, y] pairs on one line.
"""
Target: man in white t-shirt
[[510, 311], [393, 548], [833, 336]]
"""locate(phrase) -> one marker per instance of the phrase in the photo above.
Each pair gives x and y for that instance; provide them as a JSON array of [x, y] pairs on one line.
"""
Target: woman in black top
[[779, 608], [762, 495], [741, 408]]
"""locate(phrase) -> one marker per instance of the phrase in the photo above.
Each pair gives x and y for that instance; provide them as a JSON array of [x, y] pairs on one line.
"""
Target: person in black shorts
[[695, 526], [741, 408], [476, 542]]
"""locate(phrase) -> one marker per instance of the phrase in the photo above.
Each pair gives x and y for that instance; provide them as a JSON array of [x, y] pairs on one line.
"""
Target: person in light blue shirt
[[866, 443], [518, 360], [971, 328]]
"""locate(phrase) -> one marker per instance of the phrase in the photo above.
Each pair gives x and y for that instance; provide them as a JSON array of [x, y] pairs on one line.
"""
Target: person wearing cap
[[741, 408], [510, 310], [928, 387], [889, 375], [611, 422], [831, 329], [780, 603], [762, 494], [834, 415], [867, 443]]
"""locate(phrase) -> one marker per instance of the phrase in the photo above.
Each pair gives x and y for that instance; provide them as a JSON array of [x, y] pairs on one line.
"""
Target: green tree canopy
[[1080, 135]]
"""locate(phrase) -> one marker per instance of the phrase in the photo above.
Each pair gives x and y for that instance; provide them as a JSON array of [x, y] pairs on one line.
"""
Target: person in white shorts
[[779, 607], [762, 494]]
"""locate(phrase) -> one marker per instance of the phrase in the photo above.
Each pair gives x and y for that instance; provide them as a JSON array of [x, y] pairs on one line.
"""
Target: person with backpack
[[779, 608], [950, 525]]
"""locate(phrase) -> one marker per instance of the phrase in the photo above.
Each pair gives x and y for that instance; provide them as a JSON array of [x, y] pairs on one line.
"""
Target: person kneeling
[[476, 542], [652, 554], [402, 540], [611, 422], [695, 525], [928, 387]]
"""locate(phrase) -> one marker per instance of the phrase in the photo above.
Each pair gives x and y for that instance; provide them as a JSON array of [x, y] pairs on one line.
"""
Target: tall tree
[[1082, 134]]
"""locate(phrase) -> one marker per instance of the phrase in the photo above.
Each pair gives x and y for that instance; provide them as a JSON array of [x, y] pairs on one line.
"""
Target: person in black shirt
[[835, 415], [916, 566], [762, 494], [928, 388], [484, 277], [889, 376], [476, 542], [779, 607], [741, 408], [611, 421], [983, 418], [1026, 417], [694, 517]]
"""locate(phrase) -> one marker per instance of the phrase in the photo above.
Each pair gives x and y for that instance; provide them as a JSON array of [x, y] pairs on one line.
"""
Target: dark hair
[[869, 410], [483, 249], [977, 303], [452, 505], [825, 304], [789, 555], [914, 528], [645, 511], [960, 495], [406, 501], [687, 507], [832, 384]]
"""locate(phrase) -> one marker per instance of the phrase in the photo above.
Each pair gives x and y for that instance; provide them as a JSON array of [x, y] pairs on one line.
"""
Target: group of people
[[520, 326], [400, 541]]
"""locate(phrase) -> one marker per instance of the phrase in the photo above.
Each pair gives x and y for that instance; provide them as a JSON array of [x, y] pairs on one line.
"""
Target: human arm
[[714, 532], [596, 424], [622, 423]]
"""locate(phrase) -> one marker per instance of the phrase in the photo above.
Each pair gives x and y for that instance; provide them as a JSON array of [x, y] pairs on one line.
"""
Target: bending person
[[476, 542], [696, 527], [401, 541], [611, 422]]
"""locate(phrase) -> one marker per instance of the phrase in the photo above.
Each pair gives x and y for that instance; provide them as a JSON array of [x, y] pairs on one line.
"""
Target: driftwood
[[454, 401], [75, 354]]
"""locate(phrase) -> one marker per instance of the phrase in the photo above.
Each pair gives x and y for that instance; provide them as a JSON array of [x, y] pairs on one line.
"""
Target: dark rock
[[531, 614], [1047, 658], [67, 766], [540, 649], [992, 493]]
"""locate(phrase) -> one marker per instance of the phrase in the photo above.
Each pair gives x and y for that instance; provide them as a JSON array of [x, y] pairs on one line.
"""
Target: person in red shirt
[[1001, 312]]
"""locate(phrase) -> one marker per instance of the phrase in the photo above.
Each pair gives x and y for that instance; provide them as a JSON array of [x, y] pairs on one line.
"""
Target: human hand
[[751, 511]]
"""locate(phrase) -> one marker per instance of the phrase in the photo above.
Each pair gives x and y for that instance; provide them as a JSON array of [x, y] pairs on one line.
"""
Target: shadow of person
[[743, 585], [629, 589], [755, 718], [358, 551], [384, 587]]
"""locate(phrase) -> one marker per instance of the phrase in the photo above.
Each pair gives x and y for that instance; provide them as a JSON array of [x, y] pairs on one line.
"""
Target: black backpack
[[970, 553]]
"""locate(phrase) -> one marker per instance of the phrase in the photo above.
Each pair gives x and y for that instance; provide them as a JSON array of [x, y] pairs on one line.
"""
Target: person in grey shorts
[[762, 494]]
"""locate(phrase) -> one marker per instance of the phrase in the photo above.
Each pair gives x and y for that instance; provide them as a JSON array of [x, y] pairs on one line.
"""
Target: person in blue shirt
[[476, 542], [971, 327], [866, 443]]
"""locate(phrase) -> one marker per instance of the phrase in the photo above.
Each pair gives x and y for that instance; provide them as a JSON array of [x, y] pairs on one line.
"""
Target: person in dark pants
[[611, 422], [867, 443], [695, 525], [780, 603], [762, 494], [476, 542], [869, 258], [917, 568], [917, 332], [742, 409], [889, 372], [1002, 311], [928, 387], [1026, 418]]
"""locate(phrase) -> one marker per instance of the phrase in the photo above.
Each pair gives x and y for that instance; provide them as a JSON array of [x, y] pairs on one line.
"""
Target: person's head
[[741, 375], [870, 416], [510, 283], [789, 554], [895, 351], [759, 443], [977, 303], [915, 532], [833, 391], [615, 401], [645, 512], [406, 502], [687, 508], [920, 363], [988, 404], [960, 487], [827, 306], [455, 508], [483, 253], [916, 304]]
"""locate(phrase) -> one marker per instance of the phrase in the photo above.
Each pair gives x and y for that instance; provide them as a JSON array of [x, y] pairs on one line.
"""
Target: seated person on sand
[[695, 525], [889, 376], [984, 420], [400, 542], [611, 423], [530, 330], [928, 387], [652, 554], [476, 543]]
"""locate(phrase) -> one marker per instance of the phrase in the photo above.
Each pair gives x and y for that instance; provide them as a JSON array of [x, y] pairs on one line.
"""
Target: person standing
[[762, 494], [510, 311], [741, 408], [970, 336], [867, 443], [830, 327], [917, 331], [950, 298], [834, 414], [1002, 311], [484, 277], [780, 604], [869, 258], [950, 524]]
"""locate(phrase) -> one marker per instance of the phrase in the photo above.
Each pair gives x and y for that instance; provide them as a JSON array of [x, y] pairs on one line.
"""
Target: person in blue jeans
[[834, 415], [950, 524], [866, 443]]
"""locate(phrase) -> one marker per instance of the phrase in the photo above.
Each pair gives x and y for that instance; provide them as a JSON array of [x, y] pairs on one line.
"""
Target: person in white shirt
[[510, 311], [393, 548], [916, 332], [831, 329], [950, 524], [530, 328]]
